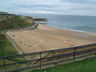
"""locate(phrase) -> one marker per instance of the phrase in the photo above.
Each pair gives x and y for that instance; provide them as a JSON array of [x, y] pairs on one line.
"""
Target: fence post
[[5, 64], [40, 60], [74, 53]]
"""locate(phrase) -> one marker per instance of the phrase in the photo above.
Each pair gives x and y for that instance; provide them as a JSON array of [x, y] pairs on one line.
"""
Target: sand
[[47, 38]]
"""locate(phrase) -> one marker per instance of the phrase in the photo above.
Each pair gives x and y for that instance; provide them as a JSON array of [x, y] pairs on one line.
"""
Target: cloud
[[32, 6], [80, 7], [32, 11], [80, 1]]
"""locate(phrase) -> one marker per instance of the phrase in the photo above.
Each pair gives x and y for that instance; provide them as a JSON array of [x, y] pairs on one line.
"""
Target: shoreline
[[48, 38], [73, 30]]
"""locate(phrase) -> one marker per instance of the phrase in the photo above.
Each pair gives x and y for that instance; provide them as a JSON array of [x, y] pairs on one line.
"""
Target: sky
[[63, 7]]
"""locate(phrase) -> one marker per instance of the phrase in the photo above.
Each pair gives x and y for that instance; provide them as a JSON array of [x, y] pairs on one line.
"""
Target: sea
[[69, 22]]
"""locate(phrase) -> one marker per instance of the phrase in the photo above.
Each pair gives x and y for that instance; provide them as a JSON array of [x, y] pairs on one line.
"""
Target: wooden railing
[[46, 58]]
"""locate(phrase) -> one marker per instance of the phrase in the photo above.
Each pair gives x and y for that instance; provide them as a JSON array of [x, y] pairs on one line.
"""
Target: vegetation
[[88, 65], [6, 48], [40, 19], [15, 22]]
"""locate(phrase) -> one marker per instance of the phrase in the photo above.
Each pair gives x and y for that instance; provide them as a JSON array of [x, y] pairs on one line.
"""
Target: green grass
[[15, 22], [6, 48], [88, 65]]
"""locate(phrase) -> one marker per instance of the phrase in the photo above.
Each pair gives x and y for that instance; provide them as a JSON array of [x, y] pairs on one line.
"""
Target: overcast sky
[[66, 7]]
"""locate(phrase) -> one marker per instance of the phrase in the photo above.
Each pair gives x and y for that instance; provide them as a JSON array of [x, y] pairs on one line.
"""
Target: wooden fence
[[38, 60]]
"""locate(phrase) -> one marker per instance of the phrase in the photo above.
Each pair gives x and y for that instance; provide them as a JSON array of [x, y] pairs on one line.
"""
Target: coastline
[[48, 38], [73, 30]]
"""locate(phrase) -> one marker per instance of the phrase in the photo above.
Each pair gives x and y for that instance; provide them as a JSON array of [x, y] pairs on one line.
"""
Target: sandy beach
[[47, 38]]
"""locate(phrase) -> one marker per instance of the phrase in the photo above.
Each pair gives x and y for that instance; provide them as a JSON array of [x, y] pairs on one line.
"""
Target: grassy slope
[[6, 48], [88, 65], [15, 22]]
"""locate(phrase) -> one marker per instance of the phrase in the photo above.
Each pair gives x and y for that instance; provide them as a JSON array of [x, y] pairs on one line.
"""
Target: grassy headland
[[15, 22]]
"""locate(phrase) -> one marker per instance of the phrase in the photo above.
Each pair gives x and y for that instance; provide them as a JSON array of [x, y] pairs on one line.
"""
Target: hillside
[[15, 22]]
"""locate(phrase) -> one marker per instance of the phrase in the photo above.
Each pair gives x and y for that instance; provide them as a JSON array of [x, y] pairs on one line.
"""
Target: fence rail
[[46, 58]]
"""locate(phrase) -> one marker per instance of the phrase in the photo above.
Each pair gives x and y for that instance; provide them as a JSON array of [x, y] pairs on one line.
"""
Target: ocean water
[[70, 22]]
